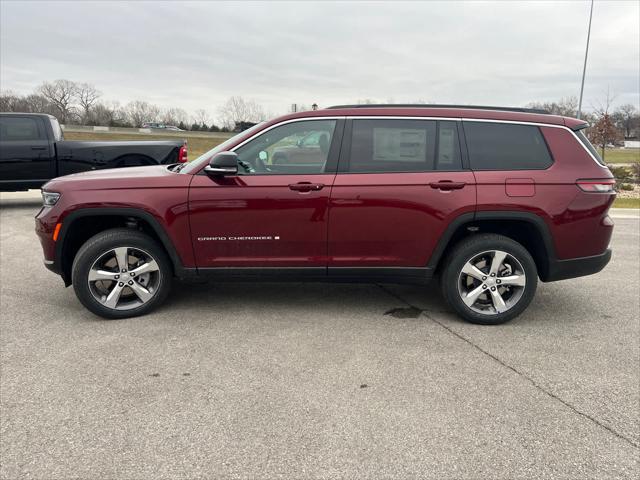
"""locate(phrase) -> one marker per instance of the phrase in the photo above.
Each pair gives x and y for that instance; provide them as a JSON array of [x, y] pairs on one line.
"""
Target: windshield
[[196, 164]]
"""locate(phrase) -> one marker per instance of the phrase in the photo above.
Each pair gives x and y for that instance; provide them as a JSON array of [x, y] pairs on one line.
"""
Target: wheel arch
[[526, 228], [80, 225]]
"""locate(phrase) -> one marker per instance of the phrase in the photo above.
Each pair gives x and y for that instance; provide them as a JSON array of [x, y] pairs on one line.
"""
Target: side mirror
[[223, 163]]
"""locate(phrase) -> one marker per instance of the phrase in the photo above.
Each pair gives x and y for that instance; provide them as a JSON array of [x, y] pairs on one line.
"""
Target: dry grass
[[626, 202], [621, 155], [196, 145]]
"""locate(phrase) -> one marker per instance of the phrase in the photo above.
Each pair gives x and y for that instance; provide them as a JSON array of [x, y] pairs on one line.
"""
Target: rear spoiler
[[580, 126]]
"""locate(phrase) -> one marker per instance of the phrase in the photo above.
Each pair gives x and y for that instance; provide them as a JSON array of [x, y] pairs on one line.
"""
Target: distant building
[[632, 144]]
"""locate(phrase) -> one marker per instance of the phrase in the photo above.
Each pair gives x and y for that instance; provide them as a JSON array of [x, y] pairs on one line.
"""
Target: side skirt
[[407, 275]]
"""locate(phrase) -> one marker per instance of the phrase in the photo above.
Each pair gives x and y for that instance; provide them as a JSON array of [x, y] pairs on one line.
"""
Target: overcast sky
[[195, 55]]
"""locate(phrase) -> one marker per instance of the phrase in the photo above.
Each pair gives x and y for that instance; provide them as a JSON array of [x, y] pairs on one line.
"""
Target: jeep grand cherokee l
[[488, 200]]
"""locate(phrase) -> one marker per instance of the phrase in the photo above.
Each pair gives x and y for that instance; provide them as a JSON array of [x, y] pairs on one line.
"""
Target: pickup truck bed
[[33, 151]]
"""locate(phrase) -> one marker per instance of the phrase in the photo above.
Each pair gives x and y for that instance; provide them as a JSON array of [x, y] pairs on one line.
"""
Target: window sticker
[[399, 144]]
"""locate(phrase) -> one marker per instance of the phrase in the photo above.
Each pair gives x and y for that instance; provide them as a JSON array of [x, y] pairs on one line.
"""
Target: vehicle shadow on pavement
[[340, 298]]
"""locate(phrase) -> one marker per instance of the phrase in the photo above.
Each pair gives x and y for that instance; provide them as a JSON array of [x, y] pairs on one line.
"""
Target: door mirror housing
[[223, 164]]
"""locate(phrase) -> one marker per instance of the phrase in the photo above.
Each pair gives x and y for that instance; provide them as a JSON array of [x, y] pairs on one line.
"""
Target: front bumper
[[577, 267], [45, 223]]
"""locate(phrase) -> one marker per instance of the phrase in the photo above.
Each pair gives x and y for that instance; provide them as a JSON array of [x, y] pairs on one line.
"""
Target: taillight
[[182, 154], [597, 186]]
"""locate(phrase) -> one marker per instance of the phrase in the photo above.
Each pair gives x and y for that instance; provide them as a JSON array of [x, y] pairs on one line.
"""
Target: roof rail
[[424, 105]]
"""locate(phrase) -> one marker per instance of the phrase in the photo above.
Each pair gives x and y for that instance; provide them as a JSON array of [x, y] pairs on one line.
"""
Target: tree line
[[82, 104], [609, 126], [74, 103]]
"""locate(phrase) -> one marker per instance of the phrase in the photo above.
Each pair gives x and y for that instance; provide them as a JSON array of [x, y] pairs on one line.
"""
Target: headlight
[[49, 198]]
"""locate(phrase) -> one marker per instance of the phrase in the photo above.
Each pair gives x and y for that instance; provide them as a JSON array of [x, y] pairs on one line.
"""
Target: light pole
[[584, 68]]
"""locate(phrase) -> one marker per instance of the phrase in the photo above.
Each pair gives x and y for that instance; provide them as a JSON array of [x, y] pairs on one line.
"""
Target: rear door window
[[20, 129], [448, 156], [506, 146], [396, 145]]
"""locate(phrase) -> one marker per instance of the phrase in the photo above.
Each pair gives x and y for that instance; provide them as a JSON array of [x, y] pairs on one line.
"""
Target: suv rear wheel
[[121, 273], [489, 279]]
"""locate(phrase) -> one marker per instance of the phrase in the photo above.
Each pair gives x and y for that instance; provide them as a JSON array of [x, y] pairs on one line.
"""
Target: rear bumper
[[577, 267]]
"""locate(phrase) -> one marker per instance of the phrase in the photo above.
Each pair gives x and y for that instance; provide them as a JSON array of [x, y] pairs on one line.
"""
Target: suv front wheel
[[489, 279], [121, 273]]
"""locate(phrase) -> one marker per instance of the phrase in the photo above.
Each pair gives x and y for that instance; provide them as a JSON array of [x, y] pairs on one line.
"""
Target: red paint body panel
[[259, 206], [520, 187], [575, 218], [155, 190], [393, 219]]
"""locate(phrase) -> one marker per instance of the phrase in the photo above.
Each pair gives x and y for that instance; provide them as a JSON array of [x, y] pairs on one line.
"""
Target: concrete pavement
[[316, 380]]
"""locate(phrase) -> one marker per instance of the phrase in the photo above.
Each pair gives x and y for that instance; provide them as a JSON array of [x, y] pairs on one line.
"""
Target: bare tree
[[566, 107], [627, 118], [9, 101], [173, 116], [139, 112], [201, 117], [236, 110], [87, 98], [108, 114], [39, 104], [604, 106], [603, 132], [62, 94]]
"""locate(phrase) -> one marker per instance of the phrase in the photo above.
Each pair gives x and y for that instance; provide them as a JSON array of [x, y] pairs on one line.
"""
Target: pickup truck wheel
[[489, 279], [121, 273]]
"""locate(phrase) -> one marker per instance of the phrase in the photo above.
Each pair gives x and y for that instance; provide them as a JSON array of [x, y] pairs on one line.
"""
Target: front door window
[[295, 148]]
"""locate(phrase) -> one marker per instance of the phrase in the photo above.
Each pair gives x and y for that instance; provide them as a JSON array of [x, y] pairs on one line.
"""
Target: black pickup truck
[[33, 151]]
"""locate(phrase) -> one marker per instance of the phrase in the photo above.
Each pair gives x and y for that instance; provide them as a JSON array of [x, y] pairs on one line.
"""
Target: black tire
[[102, 243], [475, 245]]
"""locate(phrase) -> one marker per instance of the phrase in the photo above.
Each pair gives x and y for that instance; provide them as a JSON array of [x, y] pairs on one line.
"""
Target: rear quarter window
[[587, 144], [504, 146]]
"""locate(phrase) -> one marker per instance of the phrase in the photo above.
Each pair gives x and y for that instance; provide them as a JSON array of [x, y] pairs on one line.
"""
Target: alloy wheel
[[124, 278], [491, 282]]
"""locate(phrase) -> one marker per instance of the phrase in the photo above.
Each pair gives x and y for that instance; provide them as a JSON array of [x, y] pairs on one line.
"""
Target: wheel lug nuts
[[484, 278], [132, 274], [117, 277], [484, 286], [121, 284], [124, 270], [130, 282], [493, 274], [498, 281], [493, 289]]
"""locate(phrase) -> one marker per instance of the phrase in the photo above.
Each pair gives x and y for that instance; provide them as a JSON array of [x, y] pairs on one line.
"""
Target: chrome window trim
[[403, 117], [302, 119]]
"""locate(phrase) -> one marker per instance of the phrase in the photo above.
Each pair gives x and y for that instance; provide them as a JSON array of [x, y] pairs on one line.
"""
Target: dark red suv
[[486, 199]]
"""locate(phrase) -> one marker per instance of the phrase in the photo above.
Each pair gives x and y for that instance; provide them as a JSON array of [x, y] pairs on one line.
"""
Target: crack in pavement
[[513, 369]]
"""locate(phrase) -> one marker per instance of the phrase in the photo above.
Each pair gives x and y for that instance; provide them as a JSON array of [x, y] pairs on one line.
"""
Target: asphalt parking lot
[[316, 380]]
